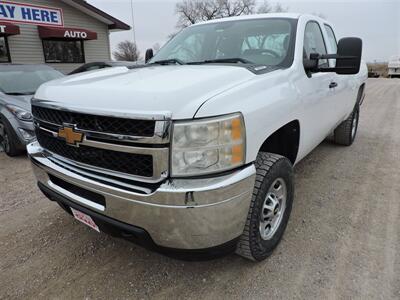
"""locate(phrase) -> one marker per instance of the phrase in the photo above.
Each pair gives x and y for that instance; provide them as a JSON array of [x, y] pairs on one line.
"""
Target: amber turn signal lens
[[237, 154], [236, 132]]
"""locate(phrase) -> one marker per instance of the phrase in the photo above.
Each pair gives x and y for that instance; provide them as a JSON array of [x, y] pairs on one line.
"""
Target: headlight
[[20, 113], [207, 146]]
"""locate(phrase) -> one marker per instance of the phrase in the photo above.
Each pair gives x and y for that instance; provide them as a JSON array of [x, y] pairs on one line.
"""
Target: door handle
[[333, 85]]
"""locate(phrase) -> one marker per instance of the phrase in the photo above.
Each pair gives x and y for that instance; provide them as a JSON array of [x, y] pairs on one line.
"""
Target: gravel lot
[[342, 241]]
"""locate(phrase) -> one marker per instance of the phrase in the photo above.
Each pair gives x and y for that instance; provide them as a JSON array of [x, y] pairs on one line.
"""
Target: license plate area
[[85, 219]]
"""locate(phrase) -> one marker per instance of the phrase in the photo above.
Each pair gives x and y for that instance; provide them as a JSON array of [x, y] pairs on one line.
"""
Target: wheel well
[[360, 94], [285, 141]]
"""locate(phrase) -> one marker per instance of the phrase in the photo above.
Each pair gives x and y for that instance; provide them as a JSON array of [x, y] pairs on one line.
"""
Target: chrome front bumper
[[181, 213]]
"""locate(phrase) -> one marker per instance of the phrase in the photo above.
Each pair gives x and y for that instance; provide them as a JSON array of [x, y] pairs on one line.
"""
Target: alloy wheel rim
[[273, 209]]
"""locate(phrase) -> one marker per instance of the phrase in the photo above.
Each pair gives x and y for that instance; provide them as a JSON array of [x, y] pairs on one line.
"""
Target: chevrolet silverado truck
[[193, 152]]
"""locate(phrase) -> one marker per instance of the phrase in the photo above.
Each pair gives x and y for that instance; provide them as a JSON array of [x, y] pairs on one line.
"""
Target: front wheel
[[270, 207], [8, 140]]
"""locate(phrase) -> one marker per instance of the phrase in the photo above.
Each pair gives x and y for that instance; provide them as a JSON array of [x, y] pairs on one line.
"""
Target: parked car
[[18, 83], [194, 152], [104, 64], [394, 67]]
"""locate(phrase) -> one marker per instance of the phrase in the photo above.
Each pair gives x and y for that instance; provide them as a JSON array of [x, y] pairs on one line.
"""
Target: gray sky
[[377, 22]]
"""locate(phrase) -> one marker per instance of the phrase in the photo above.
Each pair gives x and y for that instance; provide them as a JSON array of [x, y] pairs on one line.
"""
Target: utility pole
[[133, 24]]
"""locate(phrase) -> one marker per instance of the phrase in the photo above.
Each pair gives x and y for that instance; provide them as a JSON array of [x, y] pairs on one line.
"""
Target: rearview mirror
[[348, 58], [149, 55]]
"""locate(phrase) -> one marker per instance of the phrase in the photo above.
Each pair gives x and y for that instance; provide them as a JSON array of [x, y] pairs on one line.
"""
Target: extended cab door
[[344, 98], [316, 90]]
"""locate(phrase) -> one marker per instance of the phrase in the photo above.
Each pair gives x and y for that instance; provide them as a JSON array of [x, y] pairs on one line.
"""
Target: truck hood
[[174, 91]]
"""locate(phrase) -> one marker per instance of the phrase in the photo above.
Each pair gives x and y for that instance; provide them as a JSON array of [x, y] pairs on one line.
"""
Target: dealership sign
[[31, 14], [8, 29], [48, 32]]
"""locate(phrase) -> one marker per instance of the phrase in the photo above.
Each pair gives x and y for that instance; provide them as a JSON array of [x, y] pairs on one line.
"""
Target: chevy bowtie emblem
[[71, 136]]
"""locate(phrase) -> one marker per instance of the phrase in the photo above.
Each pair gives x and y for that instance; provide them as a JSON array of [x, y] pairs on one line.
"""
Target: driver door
[[317, 91]]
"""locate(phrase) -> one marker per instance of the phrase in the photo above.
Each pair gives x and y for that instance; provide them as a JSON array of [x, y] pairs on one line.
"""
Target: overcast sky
[[377, 22]]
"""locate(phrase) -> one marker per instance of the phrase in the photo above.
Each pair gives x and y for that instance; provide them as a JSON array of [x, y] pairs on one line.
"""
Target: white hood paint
[[177, 91]]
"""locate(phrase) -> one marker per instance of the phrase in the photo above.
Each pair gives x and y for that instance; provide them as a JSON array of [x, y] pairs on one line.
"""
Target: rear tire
[[9, 140], [270, 207], [346, 132]]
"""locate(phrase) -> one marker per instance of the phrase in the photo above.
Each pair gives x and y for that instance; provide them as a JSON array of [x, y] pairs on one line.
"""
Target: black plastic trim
[[84, 193]]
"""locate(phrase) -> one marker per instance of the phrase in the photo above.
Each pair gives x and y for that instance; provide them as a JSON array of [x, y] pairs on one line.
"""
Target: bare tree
[[279, 8], [264, 8], [193, 11], [127, 50]]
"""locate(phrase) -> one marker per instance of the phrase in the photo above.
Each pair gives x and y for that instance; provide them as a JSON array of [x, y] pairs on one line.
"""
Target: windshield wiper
[[20, 93], [168, 62], [223, 60]]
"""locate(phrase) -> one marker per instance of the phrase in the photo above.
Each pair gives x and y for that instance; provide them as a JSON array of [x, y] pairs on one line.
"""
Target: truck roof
[[257, 16]]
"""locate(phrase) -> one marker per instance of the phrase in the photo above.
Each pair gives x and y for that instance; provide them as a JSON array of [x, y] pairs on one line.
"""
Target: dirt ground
[[342, 241]]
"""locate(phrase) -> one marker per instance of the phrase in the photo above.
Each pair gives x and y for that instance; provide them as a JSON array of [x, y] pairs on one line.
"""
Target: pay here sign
[[31, 14]]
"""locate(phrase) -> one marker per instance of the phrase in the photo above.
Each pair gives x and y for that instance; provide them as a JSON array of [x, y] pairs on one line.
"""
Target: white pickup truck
[[394, 67], [193, 153]]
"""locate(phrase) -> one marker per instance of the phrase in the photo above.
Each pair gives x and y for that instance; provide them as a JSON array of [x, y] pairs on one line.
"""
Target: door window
[[331, 38], [314, 42]]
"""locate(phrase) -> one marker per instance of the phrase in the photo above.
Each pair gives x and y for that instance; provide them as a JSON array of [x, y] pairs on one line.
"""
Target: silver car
[[18, 83]]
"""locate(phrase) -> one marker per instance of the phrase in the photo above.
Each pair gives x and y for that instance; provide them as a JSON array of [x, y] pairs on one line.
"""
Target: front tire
[[9, 140], [270, 207]]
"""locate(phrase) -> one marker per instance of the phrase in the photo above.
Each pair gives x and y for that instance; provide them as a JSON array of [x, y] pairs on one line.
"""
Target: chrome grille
[[103, 124], [130, 149], [129, 163]]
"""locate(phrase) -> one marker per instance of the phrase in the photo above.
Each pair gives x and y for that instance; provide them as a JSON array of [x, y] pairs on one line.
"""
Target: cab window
[[331, 38], [314, 42]]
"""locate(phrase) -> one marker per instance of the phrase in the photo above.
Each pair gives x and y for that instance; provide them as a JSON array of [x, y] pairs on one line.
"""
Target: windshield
[[25, 82], [259, 41]]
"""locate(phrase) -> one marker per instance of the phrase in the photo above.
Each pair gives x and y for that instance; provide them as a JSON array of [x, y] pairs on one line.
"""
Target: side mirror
[[149, 55], [348, 58]]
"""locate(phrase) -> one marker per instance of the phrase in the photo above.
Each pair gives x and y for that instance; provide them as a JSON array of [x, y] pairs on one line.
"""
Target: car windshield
[[20, 81], [258, 41]]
